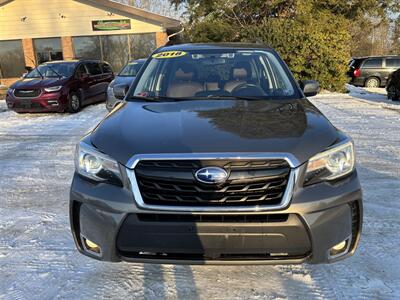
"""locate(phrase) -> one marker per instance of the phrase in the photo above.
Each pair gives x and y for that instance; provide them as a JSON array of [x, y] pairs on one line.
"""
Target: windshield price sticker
[[169, 54]]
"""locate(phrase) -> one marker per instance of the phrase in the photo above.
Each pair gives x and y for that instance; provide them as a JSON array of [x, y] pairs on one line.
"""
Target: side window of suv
[[94, 69], [106, 68], [373, 63], [393, 63], [81, 70]]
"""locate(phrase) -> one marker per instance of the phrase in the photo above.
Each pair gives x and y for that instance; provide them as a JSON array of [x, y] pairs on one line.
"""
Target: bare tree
[[395, 38], [162, 7], [373, 36]]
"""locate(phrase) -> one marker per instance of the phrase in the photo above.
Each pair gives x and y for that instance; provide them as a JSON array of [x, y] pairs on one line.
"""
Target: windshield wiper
[[36, 68], [153, 99], [211, 97], [54, 71], [40, 73], [228, 97]]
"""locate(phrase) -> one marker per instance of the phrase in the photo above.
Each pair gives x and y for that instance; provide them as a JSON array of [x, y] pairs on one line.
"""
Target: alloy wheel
[[372, 83], [75, 102]]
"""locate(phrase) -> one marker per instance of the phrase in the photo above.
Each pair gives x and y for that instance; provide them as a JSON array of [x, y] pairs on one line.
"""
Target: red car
[[61, 86]]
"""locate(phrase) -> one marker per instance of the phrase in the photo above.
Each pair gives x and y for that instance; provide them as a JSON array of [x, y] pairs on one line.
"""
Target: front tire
[[393, 95], [372, 82], [74, 103]]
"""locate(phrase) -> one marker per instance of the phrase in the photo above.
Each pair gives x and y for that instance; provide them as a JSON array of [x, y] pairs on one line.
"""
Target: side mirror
[[310, 87], [120, 91], [28, 69]]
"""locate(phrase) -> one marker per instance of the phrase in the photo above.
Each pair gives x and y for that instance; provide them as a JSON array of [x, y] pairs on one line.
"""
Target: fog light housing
[[340, 249], [91, 246], [52, 102]]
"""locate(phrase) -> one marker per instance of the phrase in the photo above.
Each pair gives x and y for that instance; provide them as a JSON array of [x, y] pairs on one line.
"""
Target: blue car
[[125, 77]]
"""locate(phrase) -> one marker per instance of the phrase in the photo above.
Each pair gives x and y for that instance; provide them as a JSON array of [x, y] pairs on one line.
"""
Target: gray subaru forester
[[216, 157]]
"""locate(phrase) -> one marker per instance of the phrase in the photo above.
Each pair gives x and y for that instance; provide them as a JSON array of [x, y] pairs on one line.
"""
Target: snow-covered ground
[[377, 96], [38, 259]]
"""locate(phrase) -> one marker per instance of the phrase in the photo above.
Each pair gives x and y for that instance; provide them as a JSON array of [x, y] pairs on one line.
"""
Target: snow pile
[[375, 96]]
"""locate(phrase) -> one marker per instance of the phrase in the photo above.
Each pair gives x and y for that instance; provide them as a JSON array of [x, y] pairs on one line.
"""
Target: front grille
[[250, 182], [24, 93], [23, 104], [271, 218]]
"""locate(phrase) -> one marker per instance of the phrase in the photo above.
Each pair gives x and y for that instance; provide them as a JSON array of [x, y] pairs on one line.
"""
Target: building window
[[115, 50], [12, 61], [87, 47], [48, 49], [142, 45]]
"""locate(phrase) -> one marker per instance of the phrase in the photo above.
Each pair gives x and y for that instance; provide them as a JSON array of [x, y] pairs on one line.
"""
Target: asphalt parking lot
[[38, 259]]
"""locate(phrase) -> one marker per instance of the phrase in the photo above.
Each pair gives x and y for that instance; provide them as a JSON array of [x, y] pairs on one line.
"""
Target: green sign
[[105, 25]]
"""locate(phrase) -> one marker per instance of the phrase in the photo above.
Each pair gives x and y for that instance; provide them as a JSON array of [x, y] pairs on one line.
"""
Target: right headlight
[[331, 164], [53, 88], [95, 165]]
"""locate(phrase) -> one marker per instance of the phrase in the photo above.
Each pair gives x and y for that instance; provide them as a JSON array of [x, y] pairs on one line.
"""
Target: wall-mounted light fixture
[[24, 18], [61, 16]]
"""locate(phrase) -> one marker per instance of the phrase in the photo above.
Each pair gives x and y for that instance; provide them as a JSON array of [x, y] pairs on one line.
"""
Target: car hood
[[122, 80], [37, 83], [295, 127]]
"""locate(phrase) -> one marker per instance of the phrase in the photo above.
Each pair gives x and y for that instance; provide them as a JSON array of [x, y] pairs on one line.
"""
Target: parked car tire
[[74, 103], [392, 93], [372, 82]]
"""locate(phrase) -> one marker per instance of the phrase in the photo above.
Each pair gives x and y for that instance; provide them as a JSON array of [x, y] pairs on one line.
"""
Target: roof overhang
[[2, 2], [123, 9]]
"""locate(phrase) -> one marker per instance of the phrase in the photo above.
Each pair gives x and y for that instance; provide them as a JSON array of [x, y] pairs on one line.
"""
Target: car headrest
[[239, 73], [184, 76]]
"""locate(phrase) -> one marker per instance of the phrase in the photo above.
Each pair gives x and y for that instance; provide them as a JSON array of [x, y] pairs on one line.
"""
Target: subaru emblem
[[211, 175]]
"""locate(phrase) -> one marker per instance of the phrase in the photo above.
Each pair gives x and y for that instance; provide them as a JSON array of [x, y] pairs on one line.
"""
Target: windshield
[[131, 69], [355, 63], [52, 70], [216, 73]]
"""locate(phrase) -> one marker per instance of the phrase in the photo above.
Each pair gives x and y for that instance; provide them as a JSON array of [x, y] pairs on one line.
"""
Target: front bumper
[[46, 102], [318, 217]]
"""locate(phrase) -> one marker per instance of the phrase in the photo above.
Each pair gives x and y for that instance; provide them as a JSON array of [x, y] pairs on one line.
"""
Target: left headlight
[[95, 165], [332, 164], [53, 88]]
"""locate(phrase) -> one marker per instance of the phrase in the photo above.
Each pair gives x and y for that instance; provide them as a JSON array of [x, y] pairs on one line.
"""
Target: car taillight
[[357, 73]]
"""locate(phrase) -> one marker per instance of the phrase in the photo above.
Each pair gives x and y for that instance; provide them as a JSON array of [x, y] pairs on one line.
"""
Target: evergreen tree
[[314, 37]]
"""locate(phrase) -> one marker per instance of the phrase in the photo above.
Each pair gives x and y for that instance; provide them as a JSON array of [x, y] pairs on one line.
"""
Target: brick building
[[36, 31]]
